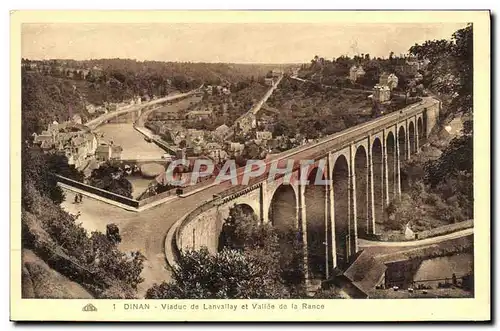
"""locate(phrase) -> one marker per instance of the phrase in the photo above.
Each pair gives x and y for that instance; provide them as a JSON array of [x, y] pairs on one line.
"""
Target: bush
[[283, 246], [229, 274]]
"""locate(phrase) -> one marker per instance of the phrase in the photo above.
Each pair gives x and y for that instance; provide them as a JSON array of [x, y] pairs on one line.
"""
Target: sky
[[230, 43]]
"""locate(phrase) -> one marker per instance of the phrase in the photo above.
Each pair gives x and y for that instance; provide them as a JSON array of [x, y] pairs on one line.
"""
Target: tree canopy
[[450, 70], [111, 178]]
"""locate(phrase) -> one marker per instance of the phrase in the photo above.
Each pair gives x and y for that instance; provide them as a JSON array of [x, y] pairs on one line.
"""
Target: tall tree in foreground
[[450, 70]]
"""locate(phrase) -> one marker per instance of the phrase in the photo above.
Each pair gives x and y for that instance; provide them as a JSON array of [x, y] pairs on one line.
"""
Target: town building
[[215, 151], [389, 80], [195, 137], [269, 81], [381, 93], [221, 132], [411, 66], [355, 72], [75, 141], [108, 152], [263, 135], [200, 114], [218, 155], [101, 109], [413, 61], [84, 73], [178, 136], [96, 71], [236, 148]]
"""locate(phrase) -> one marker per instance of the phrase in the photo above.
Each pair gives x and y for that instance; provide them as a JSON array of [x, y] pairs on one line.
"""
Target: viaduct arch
[[378, 180], [315, 206], [412, 139], [283, 208], [340, 178], [391, 166], [361, 179]]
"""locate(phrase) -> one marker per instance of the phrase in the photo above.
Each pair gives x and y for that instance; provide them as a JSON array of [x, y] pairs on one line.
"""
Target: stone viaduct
[[363, 166]]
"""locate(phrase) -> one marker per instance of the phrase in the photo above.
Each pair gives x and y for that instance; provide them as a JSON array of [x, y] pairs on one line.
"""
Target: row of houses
[[356, 72], [412, 66], [388, 82], [77, 142], [211, 89], [62, 69]]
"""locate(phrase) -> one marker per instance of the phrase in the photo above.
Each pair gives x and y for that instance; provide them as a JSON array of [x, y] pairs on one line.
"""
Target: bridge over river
[[138, 108], [362, 162]]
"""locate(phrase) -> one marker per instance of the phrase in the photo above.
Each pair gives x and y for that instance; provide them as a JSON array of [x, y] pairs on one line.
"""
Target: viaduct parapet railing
[[360, 131]]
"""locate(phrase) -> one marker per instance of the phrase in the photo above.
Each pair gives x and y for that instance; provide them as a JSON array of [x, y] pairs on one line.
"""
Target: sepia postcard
[[250, 166]]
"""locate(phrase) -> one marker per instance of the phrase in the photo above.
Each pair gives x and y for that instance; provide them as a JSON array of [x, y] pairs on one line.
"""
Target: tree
[[450, 74], [450, 71], [111, 178], [228, 274], [105, 255], [113, 233], [58, 164], [456, 158], [402, 211], [239, 230], [36, 173], [242, 231]]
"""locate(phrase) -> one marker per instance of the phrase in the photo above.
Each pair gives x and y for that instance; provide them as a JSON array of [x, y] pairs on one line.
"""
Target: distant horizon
[[243, 43], [168, 61]]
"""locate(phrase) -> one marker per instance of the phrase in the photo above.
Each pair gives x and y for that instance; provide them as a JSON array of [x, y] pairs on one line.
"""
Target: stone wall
[[200, 231]]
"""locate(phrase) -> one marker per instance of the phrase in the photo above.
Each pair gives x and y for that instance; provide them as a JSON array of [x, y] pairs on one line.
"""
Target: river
[[444, 267], [133, 143]]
